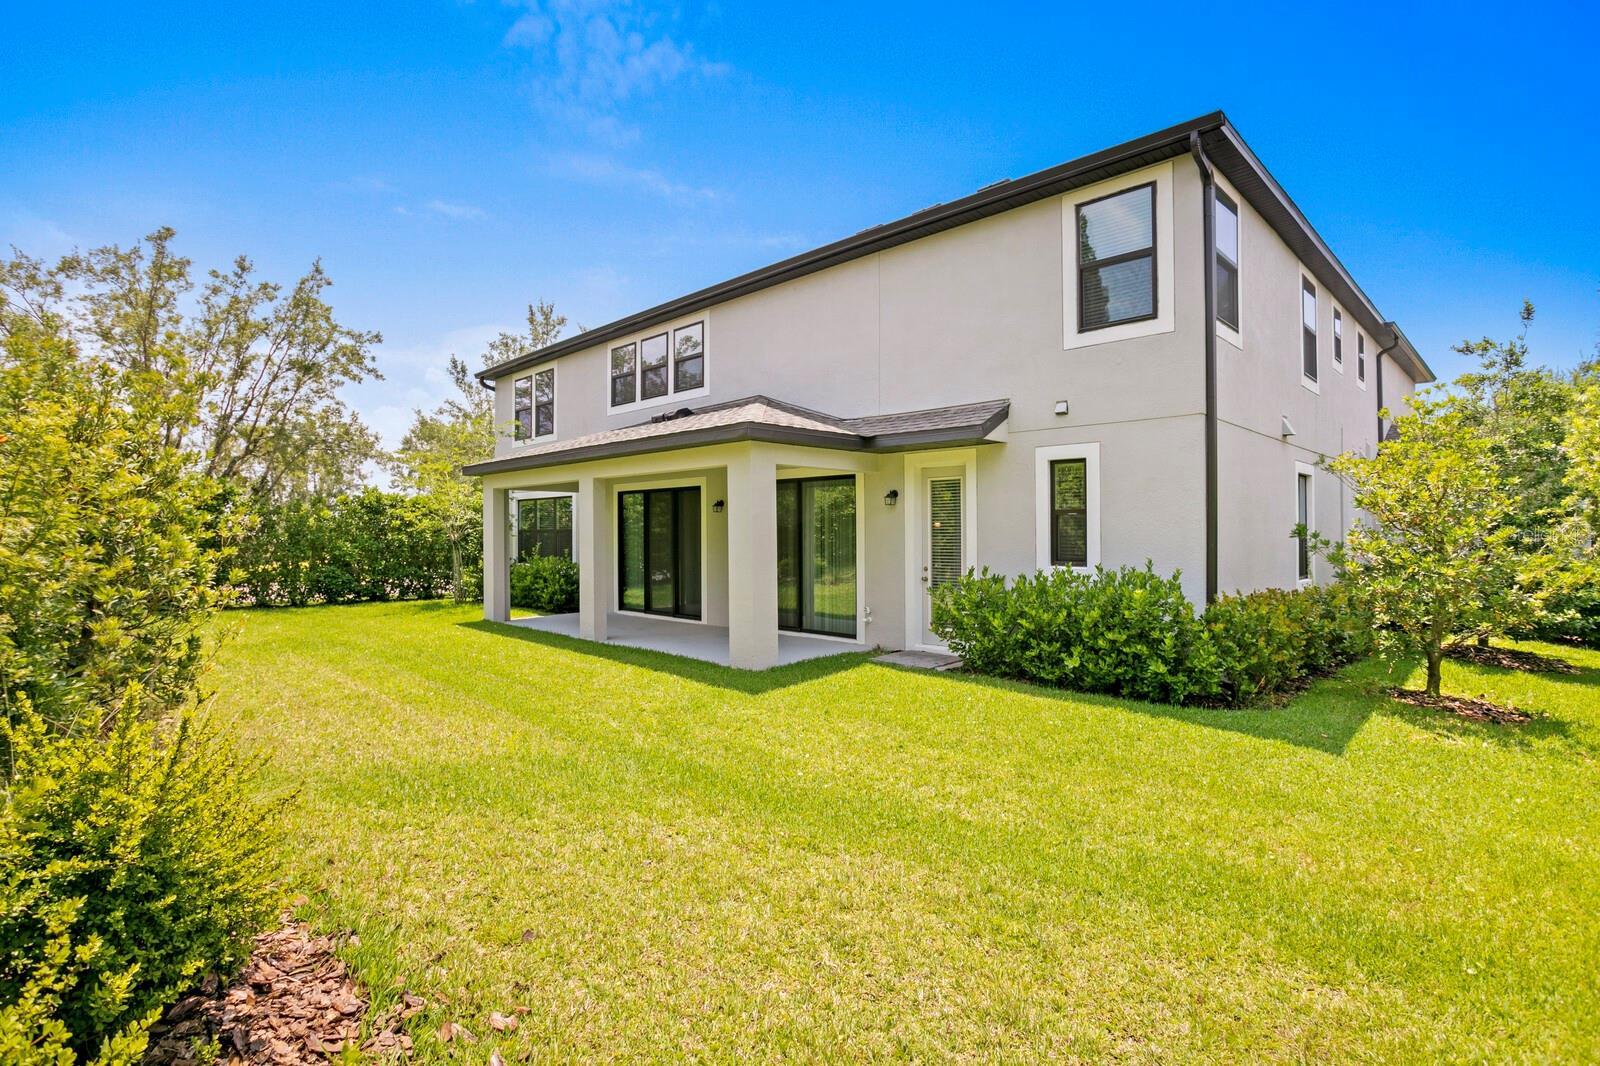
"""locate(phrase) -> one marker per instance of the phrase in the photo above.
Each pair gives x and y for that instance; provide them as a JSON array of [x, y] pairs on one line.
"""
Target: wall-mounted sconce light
[[891, 497], [717, 507], [1061, 407]]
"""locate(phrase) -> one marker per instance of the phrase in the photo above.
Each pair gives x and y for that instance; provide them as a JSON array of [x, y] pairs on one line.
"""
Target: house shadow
[[748, 682]]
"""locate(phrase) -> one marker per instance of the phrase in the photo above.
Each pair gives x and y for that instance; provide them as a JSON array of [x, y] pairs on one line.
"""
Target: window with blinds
[[945, 556], [1117, 258], [1069, 512]]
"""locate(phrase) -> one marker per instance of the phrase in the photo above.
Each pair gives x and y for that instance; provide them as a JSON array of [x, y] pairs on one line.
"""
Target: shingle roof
[[762, 418]]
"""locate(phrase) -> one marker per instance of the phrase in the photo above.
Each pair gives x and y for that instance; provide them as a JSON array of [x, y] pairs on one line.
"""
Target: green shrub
[[129, 868], [546, 583], [369, 545], [1132, 633], [1270, 640], [1126, 632]]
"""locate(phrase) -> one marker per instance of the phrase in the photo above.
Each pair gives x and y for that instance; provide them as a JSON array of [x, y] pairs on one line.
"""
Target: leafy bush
[[108, 546], [370, 545], [129, 868], [1132, 633], [1126, 632], [1268, 641], [546, 583]]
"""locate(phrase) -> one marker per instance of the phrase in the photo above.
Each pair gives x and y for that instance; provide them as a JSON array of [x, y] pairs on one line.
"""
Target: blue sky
[[451, 162]]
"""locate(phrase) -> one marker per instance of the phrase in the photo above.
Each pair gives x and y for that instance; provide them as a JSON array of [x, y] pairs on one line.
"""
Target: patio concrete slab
[[920, 660], [690, 639]]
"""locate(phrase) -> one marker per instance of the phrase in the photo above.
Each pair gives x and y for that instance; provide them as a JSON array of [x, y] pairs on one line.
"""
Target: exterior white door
[[944, 539]]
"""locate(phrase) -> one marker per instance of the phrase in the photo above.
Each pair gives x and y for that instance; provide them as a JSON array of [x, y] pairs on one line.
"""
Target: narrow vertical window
[[653, 367], [544, 402], [624, 374], [1227, 234], [1361, 357], [522, 407], [1338, 338], [1303, 524], [1117, 258], [689, 357], [1308, 329], [1069, 512]]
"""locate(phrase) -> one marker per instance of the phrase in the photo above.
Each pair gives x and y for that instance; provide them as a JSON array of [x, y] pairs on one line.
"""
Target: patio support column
[[593, 521], [752, 560], [496, 554]]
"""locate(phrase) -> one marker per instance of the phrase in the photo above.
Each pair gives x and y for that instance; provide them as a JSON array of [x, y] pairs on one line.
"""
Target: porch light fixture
[[891, 497], [717, 507]]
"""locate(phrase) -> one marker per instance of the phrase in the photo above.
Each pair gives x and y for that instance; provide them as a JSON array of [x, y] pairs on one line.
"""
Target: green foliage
[[129, 867], [108, 545], [1271, 640], [252, 375], [1437, 559], [461, 430], [371, 545], [545, 583], [1125, 632]]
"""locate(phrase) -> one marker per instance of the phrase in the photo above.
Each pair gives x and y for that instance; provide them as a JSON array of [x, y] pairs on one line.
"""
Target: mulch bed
[[1507, 659], [1462, 707], [294, 1003]]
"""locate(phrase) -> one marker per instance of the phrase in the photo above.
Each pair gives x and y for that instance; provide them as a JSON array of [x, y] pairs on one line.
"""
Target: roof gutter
[[1209, 274]]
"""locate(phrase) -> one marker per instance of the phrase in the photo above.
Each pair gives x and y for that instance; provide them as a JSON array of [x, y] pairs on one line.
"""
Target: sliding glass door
[[658, 551], [817, 555]]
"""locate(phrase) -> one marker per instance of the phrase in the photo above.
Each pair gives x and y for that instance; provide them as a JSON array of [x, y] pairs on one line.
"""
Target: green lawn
[[666, 859]]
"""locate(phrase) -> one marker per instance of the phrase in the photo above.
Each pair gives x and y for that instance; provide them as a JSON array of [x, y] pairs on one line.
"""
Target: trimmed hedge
[[546, 583], [370, 545], [1131, 632]]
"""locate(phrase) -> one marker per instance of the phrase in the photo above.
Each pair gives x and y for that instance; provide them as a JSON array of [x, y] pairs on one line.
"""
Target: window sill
[[1310, 385], [645, 405], [1231, 335]]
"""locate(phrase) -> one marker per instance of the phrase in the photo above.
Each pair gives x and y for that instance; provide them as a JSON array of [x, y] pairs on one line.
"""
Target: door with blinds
[[944, 544]]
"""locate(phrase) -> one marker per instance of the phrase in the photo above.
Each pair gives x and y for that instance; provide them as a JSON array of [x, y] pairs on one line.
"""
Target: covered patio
[[752, 533], [705, 642]]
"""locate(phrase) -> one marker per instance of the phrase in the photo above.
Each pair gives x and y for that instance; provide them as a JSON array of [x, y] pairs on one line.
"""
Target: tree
[[1437, 560], [462, 430], [268, 362]]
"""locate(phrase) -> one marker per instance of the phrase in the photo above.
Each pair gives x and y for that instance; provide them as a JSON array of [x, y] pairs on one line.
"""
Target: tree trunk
[[1435, 659], [456, 590]]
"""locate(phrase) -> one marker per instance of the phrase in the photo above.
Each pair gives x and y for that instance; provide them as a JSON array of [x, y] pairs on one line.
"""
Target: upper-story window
[[522, 407], [1116, 258], [1308, 329], [689, 356], [544, 402], [533, 404], [1227, 235], [1361, 358], [624, 374], [1338, 339], [659, 365]]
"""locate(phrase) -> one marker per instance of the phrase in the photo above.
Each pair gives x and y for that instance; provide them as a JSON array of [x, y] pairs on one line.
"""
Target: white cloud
[[595, 57], [457, 211], [603, 170]]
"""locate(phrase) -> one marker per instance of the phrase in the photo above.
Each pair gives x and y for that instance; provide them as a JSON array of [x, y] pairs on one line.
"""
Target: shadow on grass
[[749, 682]]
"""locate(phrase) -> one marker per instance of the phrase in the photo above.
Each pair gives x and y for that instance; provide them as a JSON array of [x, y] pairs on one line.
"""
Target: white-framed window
[[1338, 340], [522, 408], [1308, 333], [1361, 360], [661, 366], [1226, 229], [1305, 516], [1067, 491], [544, 402], [1117, 259]]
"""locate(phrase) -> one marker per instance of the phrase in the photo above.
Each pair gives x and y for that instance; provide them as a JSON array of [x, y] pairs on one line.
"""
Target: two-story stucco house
[[1137, 355]]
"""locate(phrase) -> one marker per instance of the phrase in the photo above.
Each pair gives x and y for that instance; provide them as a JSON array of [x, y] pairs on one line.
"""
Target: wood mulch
[[294, 1003], [1463, 707], [1509, 659]]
